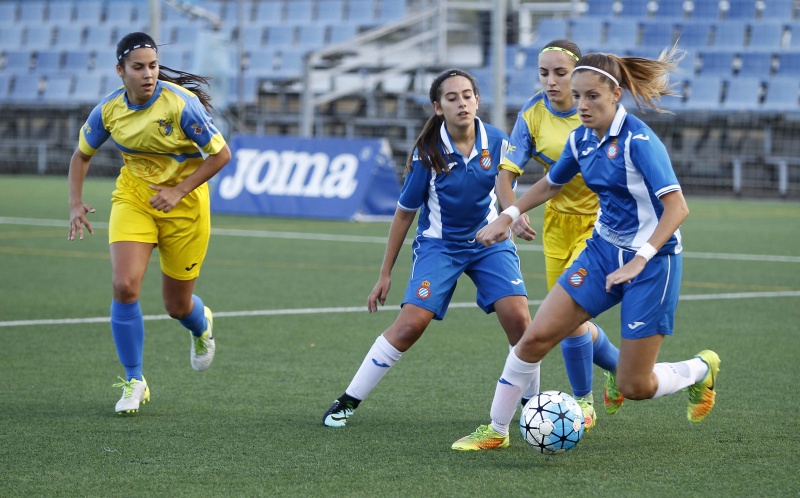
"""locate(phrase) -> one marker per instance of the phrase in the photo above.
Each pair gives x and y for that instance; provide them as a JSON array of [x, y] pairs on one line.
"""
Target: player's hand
[[522, 228], [496, 231], [379, 293], [166, 198], [78, 220], [626, 274]]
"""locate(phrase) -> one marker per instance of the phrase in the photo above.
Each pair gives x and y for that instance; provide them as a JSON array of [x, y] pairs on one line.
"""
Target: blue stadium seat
[[729, 35], [657, 34], [299, 11], [10, 37], [755, 64], [291, 63], [58, 88], [48, 61], [8, 15], [60, 12], [280, 36], [87, 88], [716, 63], [247, 94], [781, 95], [312, 36], [90, 12], [778, 10], [636, 9], [68, 36], [766, 35], [101, 35], [269, 12], [110, 83], [743, 94], [621, 34], [38, 37], [587, 32], [361, 12], [694, 35], [675, 102], [687, 67], [32, 11], [172, 57], [4, 84], [670, 10], [186, 37], [17, 61], [339, 33], [330, 11], [744, 10], [521, 85], [485, 78], [601, 8], [704, 93], [551, 29], [788, 65], [77, 60], [391, 10], [261, 62], [25, 88], [705, 10], [127, 12], [252, 36]]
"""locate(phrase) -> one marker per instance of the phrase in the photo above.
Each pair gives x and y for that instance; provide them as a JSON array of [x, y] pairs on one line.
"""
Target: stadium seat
[[687, 67], [58, 88], [87, 88], [269, 12], [280, 36], [4, 84], [38, 37], [68, 36], [32, 12], [247, 93], [330, 11], [635, 9], [729, 35], [25, 88], [766, 35], [716, 63], [8, 15], [657, 34], [551, 29], [172, 57], [781, 95], [11, 37], [48, 61], [17, 61], [90, 12], [261, 62], [291, 63], [587, 33], [361, 12], [342, 32], [755, 64], [60, 13], [129, 11], [485, 78], [704, 93], [743, 94], [312, 36], [621, 34], [391, 10], [252, 36], [299, 11], [744, 10], [778, 10], [100, 36], [675, 102], [521, 85], [185, 37], [704, 10], [77, 60], [601, 8], [694, 35], [669, 10], [788, 65]]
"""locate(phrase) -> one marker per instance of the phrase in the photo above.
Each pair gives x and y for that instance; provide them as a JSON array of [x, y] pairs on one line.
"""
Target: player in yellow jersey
[[159, 120], [540, 132]]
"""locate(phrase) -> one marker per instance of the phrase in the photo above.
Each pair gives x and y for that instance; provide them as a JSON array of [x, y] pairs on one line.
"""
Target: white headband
[[599, 71]]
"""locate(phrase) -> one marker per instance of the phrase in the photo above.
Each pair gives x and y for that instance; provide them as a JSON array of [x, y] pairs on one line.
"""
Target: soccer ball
[[552, 422]]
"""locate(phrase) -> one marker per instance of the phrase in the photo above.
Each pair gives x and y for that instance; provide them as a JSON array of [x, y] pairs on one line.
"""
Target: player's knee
[[178, 310], [635, 388], [125, 290]]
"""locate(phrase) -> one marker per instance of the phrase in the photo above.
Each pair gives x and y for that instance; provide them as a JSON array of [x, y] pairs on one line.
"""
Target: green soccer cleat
[[703, 394], [340, 412], [203, 347], [612, 398], [484, 438], [134, 393], [589, 415]]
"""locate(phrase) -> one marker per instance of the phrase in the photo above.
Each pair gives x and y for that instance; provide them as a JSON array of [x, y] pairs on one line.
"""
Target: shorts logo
[[424, 291], [165, 126], [613, 149], [577, 278], [486, 160]]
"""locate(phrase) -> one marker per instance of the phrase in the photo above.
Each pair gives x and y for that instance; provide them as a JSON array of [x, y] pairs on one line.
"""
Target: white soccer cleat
[[134, 393], [203, 347]]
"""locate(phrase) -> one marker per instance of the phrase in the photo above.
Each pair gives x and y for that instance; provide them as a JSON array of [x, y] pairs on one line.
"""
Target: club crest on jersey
[[424, 291], [165, 126], [197, 129], [613, 149], [486, 160], [577, 278]]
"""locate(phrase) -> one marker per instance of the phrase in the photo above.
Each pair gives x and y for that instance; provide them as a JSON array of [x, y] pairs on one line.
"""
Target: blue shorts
[[648, 302], [437, 264]]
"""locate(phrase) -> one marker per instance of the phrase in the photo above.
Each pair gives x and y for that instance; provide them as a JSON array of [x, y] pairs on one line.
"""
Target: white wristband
[[513, 212], [647, 251]]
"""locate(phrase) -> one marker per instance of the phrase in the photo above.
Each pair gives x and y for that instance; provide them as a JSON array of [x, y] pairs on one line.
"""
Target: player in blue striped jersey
[[633, 257], [450, 180]]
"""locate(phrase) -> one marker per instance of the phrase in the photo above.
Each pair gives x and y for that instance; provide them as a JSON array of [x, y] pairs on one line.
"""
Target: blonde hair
[[646, 79]]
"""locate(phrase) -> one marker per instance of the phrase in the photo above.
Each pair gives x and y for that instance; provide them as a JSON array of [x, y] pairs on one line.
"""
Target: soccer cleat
[[134, 393], [484, 438], [589, 415], [203, 347], [702, 394], [339, 412], [612, 398]]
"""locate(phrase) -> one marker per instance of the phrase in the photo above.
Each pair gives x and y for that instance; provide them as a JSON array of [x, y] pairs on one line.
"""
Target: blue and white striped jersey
[[455, 205], [629, 169]]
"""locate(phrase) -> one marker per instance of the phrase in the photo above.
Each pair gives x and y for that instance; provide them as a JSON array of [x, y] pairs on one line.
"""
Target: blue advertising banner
[[334, 178]]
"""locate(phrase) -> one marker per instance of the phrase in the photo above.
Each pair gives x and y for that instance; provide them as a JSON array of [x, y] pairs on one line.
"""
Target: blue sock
[[196, 320], [577, 352], [127, 327], [606, 355]]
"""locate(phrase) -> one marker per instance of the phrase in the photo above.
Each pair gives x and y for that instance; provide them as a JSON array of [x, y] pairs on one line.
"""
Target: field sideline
[[291, 323]]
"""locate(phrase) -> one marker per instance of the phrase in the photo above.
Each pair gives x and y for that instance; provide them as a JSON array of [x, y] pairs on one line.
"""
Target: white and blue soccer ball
[[552, 422]]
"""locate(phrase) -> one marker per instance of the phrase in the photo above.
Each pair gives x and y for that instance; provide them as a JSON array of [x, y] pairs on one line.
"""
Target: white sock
[[672, 377], [535, 386], [379, 359], [517, 375]]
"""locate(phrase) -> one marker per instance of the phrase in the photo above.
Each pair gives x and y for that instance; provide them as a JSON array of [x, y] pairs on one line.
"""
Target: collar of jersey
[[555, 112], [138, 107], [480, 139], [614, 130]]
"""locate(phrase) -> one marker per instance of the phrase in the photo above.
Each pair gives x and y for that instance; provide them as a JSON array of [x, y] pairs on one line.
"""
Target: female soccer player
[[161, 124], [633, 257], [450, 176], [542, 127]]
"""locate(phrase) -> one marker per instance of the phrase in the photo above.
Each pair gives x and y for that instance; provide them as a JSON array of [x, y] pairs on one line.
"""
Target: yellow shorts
[[181, 234], [564, 237]]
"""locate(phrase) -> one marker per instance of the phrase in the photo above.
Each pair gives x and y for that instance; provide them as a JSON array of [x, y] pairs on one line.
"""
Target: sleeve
[[649, 155], [520, 147], [93, 132], [567, 165], [199, 127], [415, 186]]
